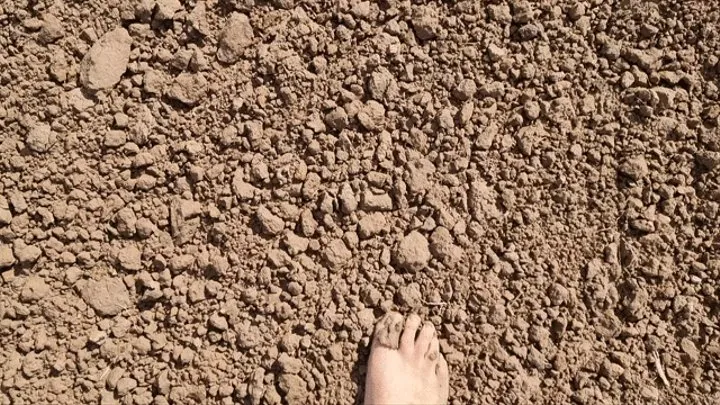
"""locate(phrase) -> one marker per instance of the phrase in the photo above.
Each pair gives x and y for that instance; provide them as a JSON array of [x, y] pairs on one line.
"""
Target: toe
[[433, 351], [387, 330], [407, 340], [443, 375], [424, 338]]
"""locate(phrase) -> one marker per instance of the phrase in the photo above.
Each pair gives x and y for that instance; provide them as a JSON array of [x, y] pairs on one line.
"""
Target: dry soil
[[212, 201]]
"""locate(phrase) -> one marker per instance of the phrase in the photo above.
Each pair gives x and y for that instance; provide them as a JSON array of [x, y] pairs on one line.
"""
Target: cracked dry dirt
[[212, 201]]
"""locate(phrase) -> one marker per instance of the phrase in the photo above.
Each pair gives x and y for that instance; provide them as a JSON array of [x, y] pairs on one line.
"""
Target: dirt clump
[[106, 61], [212, 202]]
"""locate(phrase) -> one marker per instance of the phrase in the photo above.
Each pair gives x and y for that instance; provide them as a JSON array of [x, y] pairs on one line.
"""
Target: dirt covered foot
[[405, 365]]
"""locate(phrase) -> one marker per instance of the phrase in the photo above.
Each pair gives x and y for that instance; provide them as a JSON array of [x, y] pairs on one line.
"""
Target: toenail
[[432, 356]]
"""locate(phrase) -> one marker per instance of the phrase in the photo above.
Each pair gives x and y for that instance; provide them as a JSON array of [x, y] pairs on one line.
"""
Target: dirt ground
[[213, 201]]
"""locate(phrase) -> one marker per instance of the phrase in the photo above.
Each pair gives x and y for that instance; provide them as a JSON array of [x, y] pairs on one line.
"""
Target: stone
[[218, 322], [336, 253], [372, 116], [376, 202], [34, 289], [51, 30], [7, 258], [106, 61], [294, 388], [107, 296], [40, 138], [234, 38], [413, 252], [371, 225], [130, 258], [270, 223], [166, 9], [188, 88], [26, 254], [635, 168], [465, 90]]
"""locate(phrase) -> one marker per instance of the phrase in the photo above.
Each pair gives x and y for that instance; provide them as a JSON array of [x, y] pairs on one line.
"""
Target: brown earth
[[212, 201]]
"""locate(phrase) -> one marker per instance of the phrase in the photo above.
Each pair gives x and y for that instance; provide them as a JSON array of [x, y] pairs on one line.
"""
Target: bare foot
[[405, 369]]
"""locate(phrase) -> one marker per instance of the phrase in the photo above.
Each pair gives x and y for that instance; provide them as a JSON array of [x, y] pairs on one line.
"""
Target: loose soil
[[213, 201]]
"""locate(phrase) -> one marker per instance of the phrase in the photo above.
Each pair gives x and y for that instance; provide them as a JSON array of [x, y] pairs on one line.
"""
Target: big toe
[[443, 375], [387, 330]]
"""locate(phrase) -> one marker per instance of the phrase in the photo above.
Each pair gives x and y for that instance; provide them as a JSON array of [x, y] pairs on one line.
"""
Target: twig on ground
[[659, 368]]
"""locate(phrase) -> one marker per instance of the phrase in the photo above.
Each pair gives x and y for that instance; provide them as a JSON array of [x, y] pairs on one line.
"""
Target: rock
[[17, 201], [288, 364], [196, 292], [198, 20], [107, 296], [336, 253], [188, 88], [528, 136], [337, 119], [34, 289], [114, 377], [413, 252], [495, 53], [295, 244], [7, 258], [5, 216], [115, 138], [166, 9], [691, 351], [311, 187], [242, 190], [218, 322], [294, 388], [26, 254], [125, 385], [144, 227], [126, 221], [611, 370], [380, 80], [129, 258], [376, 202], [372, 116], [181, 263], [529, 31], [485, 140], [40, 138], [51, 30], [106, 61], [371, 225], [32, 364], [346, 197], [270, 223], [665, 96], [558, 294], [409, 296], [187, 355], [482, 201], [465, 90], [576, 11], [79, 100], [234, 38], [425, 24], [648, 60], [443, 247], [635, 168], [445, 119]]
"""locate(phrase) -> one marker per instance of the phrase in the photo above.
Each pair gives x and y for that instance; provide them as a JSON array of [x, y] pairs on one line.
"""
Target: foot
[[405, 366]]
